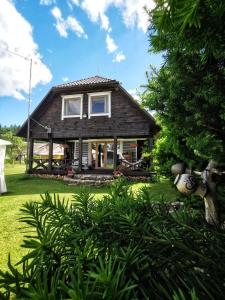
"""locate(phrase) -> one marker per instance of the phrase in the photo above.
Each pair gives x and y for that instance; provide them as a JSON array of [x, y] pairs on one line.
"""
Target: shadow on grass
[[18, 183], [22, 184]]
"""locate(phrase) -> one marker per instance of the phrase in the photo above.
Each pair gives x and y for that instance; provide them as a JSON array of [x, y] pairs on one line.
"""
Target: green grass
[[22, 188]]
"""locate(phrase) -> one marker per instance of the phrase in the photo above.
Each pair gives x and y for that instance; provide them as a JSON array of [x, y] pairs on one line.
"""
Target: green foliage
[[23, 188], [17, 148], [123, 247], [188, 90], [167, 152], [189, 25], [12, 128]]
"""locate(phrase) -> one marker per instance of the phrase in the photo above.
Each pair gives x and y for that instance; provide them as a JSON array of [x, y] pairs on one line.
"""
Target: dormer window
[[72, 106], [99, 104]]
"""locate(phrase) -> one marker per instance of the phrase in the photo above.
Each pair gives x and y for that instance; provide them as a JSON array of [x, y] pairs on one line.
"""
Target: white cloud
[[96, 12], [65, 79], [64, 25], [119, 57], [75, 26], [110, 44], [70, 3], [76, 2], [56, 12], [16, 35], [132, 11], [47, 2], [105, 22], [134, 14]]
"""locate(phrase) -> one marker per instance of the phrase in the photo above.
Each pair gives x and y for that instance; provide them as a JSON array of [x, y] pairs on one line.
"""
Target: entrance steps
[[89, 179]]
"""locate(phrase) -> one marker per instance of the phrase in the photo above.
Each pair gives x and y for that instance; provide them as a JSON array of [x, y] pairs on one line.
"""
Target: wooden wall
[[126, 119]]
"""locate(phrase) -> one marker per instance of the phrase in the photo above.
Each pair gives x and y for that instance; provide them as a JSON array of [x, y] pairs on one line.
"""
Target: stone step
[[89, 179], [89, 182], [99, 177]]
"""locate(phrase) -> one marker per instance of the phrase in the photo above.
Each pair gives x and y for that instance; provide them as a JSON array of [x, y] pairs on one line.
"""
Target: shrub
[[123, 247]]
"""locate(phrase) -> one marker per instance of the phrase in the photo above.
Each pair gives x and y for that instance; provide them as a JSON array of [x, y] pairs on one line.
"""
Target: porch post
[[50, 153], [30, 158], [80, 153], [150, 142], [115, 153]]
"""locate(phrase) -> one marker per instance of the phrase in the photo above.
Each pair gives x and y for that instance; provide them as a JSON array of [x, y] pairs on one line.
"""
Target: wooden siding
[[127, 120]]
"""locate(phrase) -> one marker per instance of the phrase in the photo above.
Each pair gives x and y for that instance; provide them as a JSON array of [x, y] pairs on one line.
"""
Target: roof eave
[[86, 86], [19, 132]]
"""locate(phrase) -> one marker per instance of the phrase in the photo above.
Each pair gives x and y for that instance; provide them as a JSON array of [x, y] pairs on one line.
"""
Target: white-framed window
[[72, 106], [99, 104]]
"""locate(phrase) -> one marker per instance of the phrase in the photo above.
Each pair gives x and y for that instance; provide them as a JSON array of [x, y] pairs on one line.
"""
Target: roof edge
[[33, 112], [100, 84]]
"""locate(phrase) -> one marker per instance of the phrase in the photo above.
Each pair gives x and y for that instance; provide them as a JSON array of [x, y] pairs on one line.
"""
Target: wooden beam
[[96, 155], [105, 155], [115, 153], [80, 153], [90, 153], [31, 153], [50, 153]]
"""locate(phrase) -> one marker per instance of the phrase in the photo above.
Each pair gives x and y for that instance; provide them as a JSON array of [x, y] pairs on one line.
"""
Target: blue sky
[[69, 40]]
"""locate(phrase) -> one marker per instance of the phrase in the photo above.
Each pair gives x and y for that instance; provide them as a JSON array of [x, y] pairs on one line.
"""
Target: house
[[97, 122]]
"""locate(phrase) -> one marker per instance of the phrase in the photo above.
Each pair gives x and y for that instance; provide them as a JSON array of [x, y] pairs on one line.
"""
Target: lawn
[[22, 189]]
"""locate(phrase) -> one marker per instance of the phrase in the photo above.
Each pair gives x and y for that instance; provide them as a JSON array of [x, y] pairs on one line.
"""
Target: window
[[72, 106], [99, 104]]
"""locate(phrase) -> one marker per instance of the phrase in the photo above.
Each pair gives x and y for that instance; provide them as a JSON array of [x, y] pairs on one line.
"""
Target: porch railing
[[57, 164], [64, 164]]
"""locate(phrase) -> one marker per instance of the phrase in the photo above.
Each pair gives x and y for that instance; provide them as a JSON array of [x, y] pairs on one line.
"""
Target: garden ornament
[[3, 145], [187, 183]]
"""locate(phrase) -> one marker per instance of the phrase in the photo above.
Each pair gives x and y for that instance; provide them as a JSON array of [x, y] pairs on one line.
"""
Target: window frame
[[108, 94], [69, 97]]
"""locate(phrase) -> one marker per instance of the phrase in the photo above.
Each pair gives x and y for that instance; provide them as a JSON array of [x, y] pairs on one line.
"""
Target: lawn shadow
[[19, 183], [22, 184]]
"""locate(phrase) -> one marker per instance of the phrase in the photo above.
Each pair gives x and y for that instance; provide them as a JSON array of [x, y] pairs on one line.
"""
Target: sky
[[69, 40]]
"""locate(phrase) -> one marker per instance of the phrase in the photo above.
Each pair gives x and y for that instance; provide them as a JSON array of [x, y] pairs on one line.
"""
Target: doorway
[[102, 155]]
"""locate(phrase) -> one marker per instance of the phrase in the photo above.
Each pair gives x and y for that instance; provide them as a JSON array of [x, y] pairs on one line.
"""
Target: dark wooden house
[[101, 127]]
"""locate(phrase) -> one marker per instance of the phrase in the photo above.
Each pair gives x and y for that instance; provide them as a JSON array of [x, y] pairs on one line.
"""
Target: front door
[[102, 155]]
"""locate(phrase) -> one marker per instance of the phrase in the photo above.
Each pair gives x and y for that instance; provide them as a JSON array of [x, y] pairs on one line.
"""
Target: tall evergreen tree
[[188, 92]]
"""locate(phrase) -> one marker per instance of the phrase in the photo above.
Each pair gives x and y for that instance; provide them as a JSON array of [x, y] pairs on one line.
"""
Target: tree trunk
[[211, 210], [210, 199]]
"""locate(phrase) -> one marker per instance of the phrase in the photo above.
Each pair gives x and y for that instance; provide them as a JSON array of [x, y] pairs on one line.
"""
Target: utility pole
[[28, 117]]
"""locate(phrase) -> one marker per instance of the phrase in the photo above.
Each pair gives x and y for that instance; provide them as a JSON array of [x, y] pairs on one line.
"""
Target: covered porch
[[91, 156]]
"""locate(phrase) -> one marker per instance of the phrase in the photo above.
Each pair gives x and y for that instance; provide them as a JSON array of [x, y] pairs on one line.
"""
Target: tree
[[17, 147], [188, 92], [13, 128]]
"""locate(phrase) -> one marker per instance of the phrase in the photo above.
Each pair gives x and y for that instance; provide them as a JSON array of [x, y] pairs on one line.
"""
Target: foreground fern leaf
[[122, 247]]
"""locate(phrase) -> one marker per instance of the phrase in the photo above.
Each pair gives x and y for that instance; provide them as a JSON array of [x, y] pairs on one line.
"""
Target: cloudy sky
[[69, 40]]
